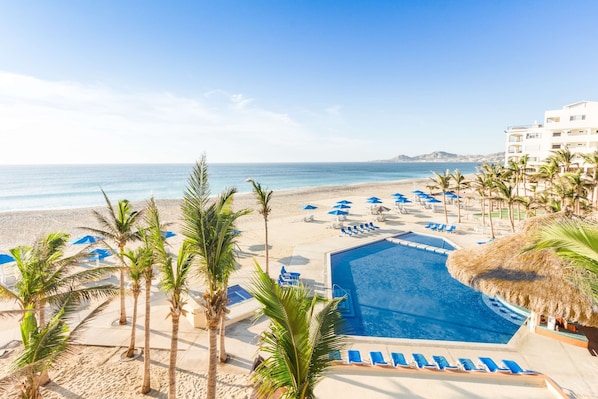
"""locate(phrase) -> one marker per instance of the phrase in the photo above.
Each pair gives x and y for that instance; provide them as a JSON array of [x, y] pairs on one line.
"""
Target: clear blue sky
[[251, 80]]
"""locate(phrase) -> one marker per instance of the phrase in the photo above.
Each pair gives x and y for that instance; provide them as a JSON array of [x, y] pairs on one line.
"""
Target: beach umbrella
[[342, 206], [402, 200], [397, 195], [99, 254], [87, 240], [379, 209], [344, 202], [338, 212], [417, 191], [374, 200], [309, 207], [535, 280], [433, 200], [5, 258], [167, 234]]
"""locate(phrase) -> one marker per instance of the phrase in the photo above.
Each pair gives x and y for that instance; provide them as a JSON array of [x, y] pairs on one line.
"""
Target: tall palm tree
[[118, 226], [459, 184], [209, 224], [507, 194], [564, 158], [579, 188], [592, 159], [575, 240], [139, 260], [442, 182], [263, 196], [174, 284], [302, 333]]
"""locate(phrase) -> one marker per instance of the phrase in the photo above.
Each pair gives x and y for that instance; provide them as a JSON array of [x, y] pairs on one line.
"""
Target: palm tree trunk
[[444, 204], [123, 313], [131, 350], [222, 355], [146, 387], [212, 361], [267, 257], [490, 209], [174, 340]]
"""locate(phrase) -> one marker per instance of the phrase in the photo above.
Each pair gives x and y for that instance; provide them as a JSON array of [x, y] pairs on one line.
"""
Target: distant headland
[[441, 156]]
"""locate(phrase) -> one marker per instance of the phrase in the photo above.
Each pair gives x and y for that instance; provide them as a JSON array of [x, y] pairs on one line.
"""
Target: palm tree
[[46, 345], [579, 188], [302, 333], [507, 194], [119, 227], [442, 182], [263, 196], [174, 284], [564, 158], [46, 276], [592, 159], [209, 228], [139, 260], [459, 184], [575, 240]]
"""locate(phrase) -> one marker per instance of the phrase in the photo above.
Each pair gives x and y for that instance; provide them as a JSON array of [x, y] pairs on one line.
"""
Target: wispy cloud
[[69, 122]]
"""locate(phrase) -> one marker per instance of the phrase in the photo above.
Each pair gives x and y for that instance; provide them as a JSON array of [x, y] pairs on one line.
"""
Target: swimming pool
[[396, 291], [437, 242], [237, 294]]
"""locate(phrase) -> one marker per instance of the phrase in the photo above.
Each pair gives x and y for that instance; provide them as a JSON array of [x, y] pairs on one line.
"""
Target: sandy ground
[[95, 370]]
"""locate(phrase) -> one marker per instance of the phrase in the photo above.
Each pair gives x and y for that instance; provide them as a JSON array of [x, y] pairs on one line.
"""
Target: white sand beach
[[95, 370]]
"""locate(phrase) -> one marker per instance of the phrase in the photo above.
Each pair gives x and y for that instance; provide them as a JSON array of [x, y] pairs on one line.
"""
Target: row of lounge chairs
[[288, 279], [357, 230], [441, 227], [439, 363]]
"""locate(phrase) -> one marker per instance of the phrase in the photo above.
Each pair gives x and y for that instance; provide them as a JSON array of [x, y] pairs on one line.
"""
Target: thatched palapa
[[535, 280]]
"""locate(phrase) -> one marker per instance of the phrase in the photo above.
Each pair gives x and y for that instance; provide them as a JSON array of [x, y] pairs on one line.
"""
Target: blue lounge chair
[[491, 365], [354, 357], [398, 360], [371, 224], [468, 365], [451, 229], [444, 364], [335, 356], [353, 230], [515, 368], [377, 359], [346, 232], [284, 282], [289, 275], [441, 227], [363, 227], [422, 362], [434, 227], [430, 225]]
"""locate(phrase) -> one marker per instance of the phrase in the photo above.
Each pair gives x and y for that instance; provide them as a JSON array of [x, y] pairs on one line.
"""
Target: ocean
[[41, 187]]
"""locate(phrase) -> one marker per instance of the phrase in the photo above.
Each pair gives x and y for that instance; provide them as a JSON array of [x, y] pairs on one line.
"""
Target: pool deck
[[571, 367]]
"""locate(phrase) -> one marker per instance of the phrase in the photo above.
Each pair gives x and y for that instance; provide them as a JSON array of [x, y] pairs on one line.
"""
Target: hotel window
[[577, 118], [556, 134], [556, 146], [533, 135]]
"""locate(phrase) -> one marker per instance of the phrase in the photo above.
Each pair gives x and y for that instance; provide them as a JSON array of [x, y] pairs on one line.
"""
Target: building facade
[[575, 127]]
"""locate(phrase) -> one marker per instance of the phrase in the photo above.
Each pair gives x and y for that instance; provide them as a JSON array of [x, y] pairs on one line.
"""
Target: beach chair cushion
[[398, 360], [377, 359], [444, 364], [515, 368], [354, 357], [422, 362], [469, 365], [491, 365]]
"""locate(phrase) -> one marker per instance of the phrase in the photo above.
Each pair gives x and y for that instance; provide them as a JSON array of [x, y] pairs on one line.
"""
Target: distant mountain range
[[441, 156]]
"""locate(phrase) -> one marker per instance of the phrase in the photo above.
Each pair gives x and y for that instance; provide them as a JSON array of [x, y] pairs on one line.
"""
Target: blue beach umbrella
[[374, 200], [397, 195], [167, 234], [337, 212], [99, 254], [344, 202], [402, 200], [417, 191], [309, 207], [433, 200], [5, 258], [87, 240], [342, 206]]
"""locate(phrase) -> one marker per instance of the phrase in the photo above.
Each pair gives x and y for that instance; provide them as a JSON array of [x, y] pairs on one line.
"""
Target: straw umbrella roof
[[535, 280]]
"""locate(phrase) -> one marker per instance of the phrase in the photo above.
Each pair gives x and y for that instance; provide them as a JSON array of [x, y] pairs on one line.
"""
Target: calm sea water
[[29, 187]]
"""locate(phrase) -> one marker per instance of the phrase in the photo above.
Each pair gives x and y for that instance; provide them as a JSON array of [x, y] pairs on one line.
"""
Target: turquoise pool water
[[396, 291]]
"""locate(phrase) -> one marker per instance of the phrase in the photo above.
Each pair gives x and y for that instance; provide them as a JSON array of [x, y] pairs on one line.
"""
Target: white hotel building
[[575, 126]]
